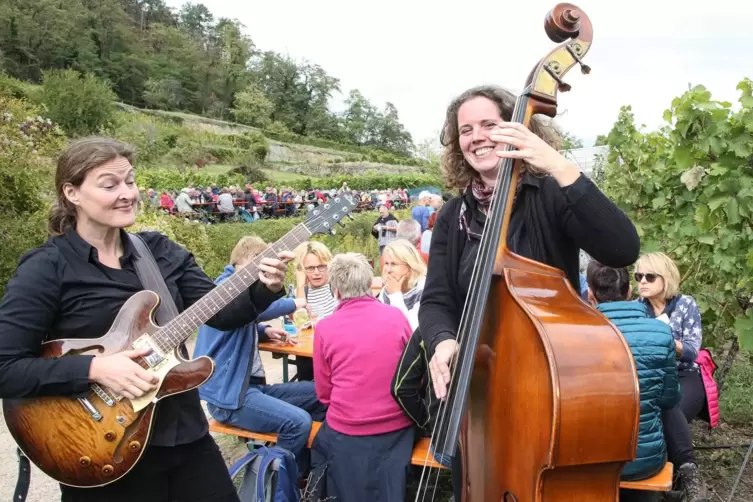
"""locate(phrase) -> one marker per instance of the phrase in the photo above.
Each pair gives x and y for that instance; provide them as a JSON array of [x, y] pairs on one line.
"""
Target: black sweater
[[549, 224]]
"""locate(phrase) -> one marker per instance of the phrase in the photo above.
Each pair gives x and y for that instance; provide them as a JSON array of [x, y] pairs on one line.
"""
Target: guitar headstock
[[323, 218]]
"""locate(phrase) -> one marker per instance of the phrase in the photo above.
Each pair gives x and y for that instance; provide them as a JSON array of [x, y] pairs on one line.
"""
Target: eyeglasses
[[649, 277], [315, 268]]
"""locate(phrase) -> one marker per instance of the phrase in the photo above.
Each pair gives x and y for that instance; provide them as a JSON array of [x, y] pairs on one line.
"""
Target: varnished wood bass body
[[95, 439], [63, 439], [554, 398]]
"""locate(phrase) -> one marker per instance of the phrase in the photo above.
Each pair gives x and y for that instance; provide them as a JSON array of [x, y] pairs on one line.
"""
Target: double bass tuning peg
[[584, 68]]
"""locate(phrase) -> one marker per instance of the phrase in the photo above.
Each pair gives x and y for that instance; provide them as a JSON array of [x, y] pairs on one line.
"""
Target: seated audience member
[[659, 287], [312, 278], [237, 393], [312, 285], [658, 284], [653, 349], [403, 276], [363, 449]]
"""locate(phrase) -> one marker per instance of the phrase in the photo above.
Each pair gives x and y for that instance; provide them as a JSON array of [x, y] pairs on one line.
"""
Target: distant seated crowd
[[250, 204], [368, 380]]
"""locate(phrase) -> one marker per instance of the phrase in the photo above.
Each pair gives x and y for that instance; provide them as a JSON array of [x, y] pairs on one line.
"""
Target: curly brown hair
[[458, 173]]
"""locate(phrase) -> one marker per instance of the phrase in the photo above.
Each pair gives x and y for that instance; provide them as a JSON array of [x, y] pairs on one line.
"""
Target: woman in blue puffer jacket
[[653, 349]]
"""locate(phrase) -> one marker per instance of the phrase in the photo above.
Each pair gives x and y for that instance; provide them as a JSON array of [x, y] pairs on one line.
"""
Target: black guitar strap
[[24, 477], [151, 279]]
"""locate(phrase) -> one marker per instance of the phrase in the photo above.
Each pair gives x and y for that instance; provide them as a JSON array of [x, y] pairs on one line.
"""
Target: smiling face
[[476, 119], [107, 197]]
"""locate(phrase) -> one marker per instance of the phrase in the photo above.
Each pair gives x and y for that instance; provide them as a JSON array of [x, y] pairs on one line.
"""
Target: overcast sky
[[419, 54]]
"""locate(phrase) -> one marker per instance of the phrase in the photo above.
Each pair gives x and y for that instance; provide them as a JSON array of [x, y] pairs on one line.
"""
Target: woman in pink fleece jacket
[[363, 449]]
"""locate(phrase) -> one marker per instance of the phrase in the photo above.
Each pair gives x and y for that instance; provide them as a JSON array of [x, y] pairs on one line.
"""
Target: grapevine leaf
[[705, 239], [744, 330], [717, 201]]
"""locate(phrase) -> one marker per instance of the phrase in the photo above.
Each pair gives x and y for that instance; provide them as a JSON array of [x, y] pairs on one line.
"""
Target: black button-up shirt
[[61, 290]]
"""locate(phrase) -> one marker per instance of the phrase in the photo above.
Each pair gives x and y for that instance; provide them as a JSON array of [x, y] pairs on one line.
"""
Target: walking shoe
[[693, 484]]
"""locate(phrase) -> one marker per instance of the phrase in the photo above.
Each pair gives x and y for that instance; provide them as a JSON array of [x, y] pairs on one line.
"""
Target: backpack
[[270, 475]]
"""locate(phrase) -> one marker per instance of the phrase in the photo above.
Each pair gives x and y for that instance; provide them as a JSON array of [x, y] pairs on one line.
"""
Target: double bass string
[[475, 303]]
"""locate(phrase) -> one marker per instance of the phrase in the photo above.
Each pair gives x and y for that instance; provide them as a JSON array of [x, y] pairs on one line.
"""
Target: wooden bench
[[662, 482], [420, 456]]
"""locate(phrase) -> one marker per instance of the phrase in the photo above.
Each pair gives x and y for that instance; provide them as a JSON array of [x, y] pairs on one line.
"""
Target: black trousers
[[677, 436], [193, 472], [693, 393]]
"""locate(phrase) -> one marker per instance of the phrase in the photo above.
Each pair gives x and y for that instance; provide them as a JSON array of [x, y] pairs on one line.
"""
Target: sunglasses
[[649, 277]]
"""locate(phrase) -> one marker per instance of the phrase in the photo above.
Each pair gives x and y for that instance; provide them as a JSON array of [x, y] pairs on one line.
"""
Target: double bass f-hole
[[509, 497]]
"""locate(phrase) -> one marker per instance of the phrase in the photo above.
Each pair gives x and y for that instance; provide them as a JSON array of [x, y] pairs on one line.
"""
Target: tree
[[570, 141], [252, 107], [689, 189], [601, 140]]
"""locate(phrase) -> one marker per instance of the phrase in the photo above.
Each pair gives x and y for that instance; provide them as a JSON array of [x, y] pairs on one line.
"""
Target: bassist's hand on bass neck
[[121, 374]]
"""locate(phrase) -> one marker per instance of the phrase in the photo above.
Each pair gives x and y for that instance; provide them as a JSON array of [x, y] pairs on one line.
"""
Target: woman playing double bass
[[557, 211]]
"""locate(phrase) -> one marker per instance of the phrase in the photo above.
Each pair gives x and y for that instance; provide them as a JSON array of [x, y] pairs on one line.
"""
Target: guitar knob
[[134, 446], [110, 436], [107, 470], [85, 461]]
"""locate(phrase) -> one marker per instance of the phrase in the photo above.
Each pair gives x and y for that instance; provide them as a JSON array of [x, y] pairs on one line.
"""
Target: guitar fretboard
[[179, 329]]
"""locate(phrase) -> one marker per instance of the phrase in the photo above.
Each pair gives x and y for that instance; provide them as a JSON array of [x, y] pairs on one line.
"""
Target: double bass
[[544, 402]]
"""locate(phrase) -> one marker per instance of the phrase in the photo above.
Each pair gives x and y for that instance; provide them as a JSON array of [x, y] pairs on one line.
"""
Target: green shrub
[[82, 105], [27, 140], [171, 179], [14, 88], [153, 137]]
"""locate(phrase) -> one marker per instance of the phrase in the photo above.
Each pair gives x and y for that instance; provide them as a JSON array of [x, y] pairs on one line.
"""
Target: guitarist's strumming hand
[[272, 271], [121, 374]]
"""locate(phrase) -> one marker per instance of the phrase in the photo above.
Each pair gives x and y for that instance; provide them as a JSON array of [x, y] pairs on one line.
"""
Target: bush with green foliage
[[14, 88], [81, 104], [689, 189], [27, 141]]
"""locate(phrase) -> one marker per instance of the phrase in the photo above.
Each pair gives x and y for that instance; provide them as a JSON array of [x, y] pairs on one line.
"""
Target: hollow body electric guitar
[[96, 439]]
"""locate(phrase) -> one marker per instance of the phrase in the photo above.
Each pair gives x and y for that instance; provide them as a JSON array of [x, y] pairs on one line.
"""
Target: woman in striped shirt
[[311, 259]]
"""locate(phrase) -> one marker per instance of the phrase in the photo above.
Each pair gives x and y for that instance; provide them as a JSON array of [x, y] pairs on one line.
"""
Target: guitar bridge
[[156, 357]]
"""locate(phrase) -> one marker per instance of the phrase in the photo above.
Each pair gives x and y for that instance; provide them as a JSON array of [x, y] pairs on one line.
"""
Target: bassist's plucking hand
[[121, 374], [440, 366]]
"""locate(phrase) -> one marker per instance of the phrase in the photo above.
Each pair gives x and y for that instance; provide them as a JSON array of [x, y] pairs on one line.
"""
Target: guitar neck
[[179, 329]]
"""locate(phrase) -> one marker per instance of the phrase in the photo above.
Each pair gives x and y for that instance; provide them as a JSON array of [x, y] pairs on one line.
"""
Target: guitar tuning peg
[[332, 231], [350, 216], [341, 223]]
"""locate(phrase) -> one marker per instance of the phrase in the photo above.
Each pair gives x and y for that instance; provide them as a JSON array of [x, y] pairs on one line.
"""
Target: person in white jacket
[[403, 276]]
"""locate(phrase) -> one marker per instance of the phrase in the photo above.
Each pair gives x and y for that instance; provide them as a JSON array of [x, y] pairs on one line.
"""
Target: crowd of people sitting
[[369, 381], [248, 204]]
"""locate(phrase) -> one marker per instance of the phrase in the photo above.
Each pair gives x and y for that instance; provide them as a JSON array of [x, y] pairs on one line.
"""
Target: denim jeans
[[285, 408]]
